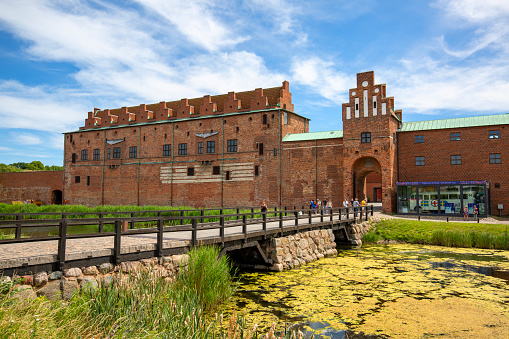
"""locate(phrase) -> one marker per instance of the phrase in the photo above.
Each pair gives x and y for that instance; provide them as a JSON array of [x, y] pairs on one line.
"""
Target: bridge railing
[[160, 224]]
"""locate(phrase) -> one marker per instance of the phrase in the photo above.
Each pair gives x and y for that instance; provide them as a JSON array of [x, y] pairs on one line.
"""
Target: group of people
[[475, 212], [356, 204], [317, 205]]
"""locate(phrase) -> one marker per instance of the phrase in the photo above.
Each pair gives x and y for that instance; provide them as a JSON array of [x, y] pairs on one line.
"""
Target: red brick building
[[238, 149], [40, 186]]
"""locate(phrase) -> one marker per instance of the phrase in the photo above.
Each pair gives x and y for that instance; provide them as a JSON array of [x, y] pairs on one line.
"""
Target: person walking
[[465, 213], [355, 207]]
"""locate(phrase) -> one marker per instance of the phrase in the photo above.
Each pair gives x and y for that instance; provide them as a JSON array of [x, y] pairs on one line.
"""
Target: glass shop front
[[443, 197]]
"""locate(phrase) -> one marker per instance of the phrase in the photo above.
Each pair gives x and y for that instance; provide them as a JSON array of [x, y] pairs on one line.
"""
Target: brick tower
[[369, 139]]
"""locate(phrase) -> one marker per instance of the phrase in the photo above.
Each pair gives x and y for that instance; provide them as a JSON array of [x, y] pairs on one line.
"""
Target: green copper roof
[[485, 120], [313, 136]]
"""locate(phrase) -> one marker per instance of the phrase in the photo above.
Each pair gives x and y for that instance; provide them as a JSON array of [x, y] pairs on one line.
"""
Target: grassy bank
[[141, 305], [453, 234]]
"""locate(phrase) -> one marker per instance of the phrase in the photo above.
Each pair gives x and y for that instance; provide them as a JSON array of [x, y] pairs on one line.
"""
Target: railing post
[[194, 234], [310, 219], [19, 217], [281, 220], [132, 221], [252, 212], [160, 233], [202, 213], [117, 241], [221, 230], [348, 213], [244, 226], [62, 231], [101, 222], [264, 223], [366, 211], [182, 217], [321, 215], [238, 211], [296, 218], [371, 210], [332, 215]]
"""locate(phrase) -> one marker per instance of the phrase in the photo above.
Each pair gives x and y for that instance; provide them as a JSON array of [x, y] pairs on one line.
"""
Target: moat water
[[396, 291]]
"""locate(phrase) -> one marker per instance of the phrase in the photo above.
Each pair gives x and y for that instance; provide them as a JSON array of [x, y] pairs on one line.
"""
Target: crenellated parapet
[[259, 99]]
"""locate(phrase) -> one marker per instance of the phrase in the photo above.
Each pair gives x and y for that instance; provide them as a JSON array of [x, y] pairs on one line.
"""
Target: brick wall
[[474, 147], [37, 186]]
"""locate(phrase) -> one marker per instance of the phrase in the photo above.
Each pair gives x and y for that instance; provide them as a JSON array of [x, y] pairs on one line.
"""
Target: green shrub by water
[[452, 234]]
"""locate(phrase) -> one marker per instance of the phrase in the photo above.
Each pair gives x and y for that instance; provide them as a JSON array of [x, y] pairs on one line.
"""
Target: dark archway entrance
[[367, 179], [56, 197]]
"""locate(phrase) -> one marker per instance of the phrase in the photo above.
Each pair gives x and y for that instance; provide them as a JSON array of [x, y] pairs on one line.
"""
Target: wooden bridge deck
[[65, 250]]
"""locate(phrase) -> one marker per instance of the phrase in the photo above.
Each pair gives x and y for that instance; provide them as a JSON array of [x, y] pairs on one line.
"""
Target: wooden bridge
[[125, 236]]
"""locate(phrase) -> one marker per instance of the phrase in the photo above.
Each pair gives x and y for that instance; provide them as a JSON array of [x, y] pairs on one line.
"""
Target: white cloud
[[25, 138], [2, 148], [475, 11], [322, 78], [195, 19]]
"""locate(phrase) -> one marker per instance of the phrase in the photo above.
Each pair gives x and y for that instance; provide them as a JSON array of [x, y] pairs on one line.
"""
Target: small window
[[84, 154], [455, 137], [260, 148], [495, 158], [227, 175], [182, 149], [275, 151], [374, 104], [190, 171], [77, 179], [200, 147], [264, 119], [109, 153], [231, 145], [216, 170], [494, 134], [419, 139], [133, 152], [365, 137], [88, 180], [257, 170], [70, 138], [97, 154], [211, 147], [455, 159], [285, 118], [116, 152], [167, 150], [419, 161], [74, 157], [497, 185], [237, 129], [356, 107]]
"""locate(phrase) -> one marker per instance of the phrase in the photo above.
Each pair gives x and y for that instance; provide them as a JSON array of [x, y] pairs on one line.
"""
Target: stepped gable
[[275, 97]]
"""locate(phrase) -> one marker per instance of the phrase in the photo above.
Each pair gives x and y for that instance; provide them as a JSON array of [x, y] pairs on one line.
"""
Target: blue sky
[[61, 58]]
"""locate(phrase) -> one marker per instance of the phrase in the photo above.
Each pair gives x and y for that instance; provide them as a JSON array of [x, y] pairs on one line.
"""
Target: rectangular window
[[227, 175], [167, 150], [285, 118], [260, 148], [200, 147], [455, 159], [495, 158], [419, 161], [419, 139], [77, 179], [190, 171], [97, 154], [182, 149], [231, 145], [494, 134], [275, 151], [116, 152], [455, 136], [74, 156], [365, 137], [88, 180], [257, 171], [109, 153], [84, 154], [216, 170], [211, 147], [264, 119], [133, 152]]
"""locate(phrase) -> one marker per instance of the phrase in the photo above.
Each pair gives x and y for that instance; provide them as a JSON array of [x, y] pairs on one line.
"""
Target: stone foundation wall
[[62, 285], [297, 249], [356, 231]]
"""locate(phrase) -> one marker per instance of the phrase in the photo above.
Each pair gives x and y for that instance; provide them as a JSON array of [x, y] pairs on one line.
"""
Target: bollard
[[125, 225]]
